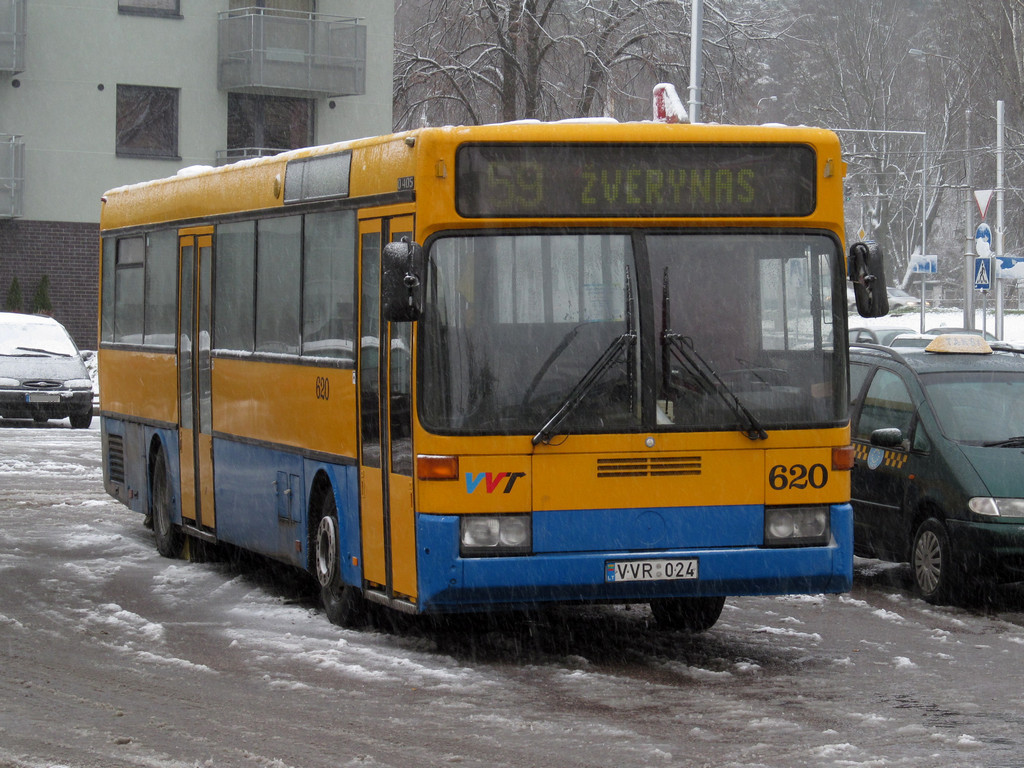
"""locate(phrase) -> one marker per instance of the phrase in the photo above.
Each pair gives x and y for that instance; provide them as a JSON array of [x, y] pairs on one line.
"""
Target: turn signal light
[[842, 458], [437, 467]]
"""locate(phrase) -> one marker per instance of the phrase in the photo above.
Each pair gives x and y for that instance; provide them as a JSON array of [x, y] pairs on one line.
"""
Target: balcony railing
[[227, 156], [12, 176], [12, 36], [289, 53]]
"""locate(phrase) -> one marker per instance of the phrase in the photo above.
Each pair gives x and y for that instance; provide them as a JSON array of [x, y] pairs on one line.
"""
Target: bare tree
[[875, 71], [473, 61]]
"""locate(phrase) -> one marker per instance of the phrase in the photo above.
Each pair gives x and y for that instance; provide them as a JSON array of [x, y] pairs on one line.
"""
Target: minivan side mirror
[[867, 273], [401, 283], [890, 437]]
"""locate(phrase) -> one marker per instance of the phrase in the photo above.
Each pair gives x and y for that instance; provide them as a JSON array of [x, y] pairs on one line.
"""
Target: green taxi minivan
[[938, 478]]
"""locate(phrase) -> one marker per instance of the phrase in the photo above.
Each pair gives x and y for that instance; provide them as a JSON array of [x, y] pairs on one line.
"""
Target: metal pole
[[968, 229], [924, 216], [696, 57], [999, 217]]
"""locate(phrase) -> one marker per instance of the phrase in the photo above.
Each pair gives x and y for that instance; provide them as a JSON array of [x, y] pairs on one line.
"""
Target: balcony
[[12, 36], [12, 176], [274, 52], [227, 156]]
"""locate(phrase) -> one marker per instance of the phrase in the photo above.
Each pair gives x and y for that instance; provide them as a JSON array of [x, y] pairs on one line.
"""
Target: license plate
[[43, 397], [668, 569]]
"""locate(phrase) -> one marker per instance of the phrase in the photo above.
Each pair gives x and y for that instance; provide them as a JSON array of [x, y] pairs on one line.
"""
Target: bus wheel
[[932, 564], [693, 614], [169, 537], [342, 602]]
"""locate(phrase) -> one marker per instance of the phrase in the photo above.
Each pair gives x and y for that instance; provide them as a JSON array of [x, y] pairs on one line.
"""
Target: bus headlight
[[495, 534], [796, 526]]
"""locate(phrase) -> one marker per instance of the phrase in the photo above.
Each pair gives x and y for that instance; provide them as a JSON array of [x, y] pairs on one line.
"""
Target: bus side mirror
[[867, 272], [402, 267]]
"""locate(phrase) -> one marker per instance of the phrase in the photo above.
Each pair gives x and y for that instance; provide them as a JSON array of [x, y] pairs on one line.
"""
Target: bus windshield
[[636, 331]]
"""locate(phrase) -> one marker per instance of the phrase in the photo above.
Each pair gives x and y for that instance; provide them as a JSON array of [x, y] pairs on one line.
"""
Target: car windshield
[[978, 407], [32, 339], [604, 331]]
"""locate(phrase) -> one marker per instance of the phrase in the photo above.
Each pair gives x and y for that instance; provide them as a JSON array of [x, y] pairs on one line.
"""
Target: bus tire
[[931, 563], [342, 602], [169, 537], [691, 614]]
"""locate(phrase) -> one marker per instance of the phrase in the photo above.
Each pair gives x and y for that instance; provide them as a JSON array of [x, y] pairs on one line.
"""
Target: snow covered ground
[[113, 656]]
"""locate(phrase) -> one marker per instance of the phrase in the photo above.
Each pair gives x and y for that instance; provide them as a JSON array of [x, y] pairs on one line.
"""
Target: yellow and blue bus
[[477, 368]]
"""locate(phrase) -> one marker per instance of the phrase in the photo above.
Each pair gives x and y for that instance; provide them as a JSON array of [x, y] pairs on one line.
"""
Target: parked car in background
[[911, 341], [882, 335], [42, 374], [973, 331], [938, 478]]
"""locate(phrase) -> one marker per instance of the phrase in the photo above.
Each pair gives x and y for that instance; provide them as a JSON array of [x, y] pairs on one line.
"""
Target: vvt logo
[[491, 481]]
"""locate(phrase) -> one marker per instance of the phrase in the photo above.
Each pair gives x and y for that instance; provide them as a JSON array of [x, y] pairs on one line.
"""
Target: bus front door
[[385, 463], [195, 438]]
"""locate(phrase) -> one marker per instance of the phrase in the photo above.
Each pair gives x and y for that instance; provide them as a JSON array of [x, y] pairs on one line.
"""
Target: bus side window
[[329, 285]]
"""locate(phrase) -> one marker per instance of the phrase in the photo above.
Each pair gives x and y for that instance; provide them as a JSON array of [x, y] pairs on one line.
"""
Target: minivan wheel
[[931, 562]]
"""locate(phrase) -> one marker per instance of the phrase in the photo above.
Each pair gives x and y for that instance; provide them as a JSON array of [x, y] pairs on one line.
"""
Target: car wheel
[[169, 537], [692, 614], [81, 420], [342, 602], [931, 562]]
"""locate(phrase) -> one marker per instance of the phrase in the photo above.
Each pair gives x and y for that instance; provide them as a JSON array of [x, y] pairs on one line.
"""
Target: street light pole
[[696, 57], [968, 229], [1000, 122]]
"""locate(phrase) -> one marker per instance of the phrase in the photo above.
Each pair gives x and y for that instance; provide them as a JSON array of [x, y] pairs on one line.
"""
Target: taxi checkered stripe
[[891, 459]]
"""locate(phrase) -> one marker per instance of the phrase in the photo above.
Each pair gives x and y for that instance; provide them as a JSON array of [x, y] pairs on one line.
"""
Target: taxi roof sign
[[959, 343]]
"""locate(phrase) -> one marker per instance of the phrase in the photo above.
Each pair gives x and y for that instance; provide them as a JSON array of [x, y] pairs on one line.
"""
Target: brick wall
[[68, 254]]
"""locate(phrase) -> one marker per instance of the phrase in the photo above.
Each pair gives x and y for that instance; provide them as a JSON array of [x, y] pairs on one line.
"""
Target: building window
[[150, 7], [269, 122], [147, 121]]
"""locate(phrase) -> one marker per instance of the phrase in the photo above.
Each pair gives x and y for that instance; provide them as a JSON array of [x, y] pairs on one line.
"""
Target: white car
[[42, 374]]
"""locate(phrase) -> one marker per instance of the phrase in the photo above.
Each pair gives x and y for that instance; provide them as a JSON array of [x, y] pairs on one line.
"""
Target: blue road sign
[[983, 239], [928, 264], [982, 273]]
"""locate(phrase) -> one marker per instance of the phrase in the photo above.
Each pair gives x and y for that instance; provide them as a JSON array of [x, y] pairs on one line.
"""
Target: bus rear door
[[385, 463], [195, 438]]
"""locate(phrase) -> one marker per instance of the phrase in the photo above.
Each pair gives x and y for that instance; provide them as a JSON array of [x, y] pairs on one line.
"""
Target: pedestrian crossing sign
[[982, 273]]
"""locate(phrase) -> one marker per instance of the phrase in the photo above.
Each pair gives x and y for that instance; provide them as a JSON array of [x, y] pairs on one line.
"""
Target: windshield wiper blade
[[624, 341], [38, 351], [1010, 442], [683, 350]]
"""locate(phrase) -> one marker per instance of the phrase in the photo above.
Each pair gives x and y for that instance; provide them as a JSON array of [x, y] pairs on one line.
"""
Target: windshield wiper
[[38, 351], [1010, 442], [624, 341], [681, 347]]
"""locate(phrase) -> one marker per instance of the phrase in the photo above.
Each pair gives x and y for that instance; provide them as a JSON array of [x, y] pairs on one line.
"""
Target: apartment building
[[96, 94]]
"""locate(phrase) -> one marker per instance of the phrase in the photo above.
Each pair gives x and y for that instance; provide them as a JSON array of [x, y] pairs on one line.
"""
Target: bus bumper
[[449, 582]]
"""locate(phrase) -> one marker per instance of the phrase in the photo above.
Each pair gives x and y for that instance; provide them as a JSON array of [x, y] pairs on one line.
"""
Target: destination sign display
[[635, 180]]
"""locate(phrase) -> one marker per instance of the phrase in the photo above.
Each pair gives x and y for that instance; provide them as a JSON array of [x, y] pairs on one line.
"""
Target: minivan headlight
[[797, 526], [5, 382], [495, 534], [79, 383], [990, 507]]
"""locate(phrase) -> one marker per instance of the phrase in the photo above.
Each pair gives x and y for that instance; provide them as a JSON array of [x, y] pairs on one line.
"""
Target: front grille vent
[[658, 466], [115, 458], [41, 384]]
